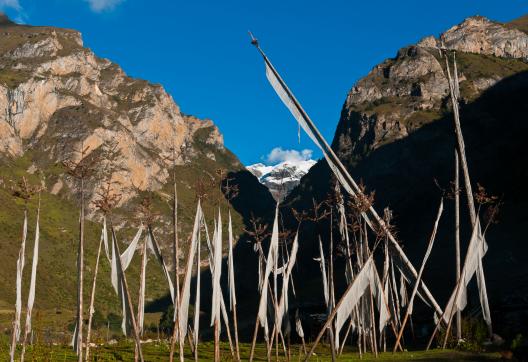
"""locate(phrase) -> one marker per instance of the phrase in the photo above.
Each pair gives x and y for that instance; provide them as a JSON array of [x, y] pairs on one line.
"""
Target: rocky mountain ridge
[[402, 94], [59, 97]]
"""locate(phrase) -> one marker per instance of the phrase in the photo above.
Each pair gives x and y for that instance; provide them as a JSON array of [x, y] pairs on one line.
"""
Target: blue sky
[[200, 52]]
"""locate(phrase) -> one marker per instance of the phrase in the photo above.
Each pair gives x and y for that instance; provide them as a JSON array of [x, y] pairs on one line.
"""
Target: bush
[[474, 334], [166, 322]]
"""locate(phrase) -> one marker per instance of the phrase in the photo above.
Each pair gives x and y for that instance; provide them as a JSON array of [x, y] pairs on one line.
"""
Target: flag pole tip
[[254, 40]]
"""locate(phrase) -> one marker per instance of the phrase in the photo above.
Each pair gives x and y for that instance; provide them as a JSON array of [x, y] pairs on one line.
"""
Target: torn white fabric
[[217, 272], [476, 250], [298, 325], [142, 287], [128, 254], [322, 265], [32, 283], [104, 235], [231, 266], [196, 329], [183, 312], [270, 261], [284, 302], [363, 279], [154, 247], [20, 271]]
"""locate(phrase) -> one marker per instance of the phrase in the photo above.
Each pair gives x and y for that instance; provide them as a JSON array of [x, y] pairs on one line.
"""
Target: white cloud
[[13, 4], [102, 5], [278, 155], [20, 16]]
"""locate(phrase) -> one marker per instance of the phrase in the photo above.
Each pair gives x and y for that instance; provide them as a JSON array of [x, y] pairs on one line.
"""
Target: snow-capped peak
[[282, 177]]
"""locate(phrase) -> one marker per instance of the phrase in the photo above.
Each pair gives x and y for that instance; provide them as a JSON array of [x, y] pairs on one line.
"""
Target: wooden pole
[[175, 252], [352, 188], [442, 317], [422, 267], [28, 313], [331, 286], [462, 155], [457, 239], [345, 338], [235, 325], [326, 325], [92, 301], [216, 341], [17, 317], [141, 301], [80, 271], [373, 321], [226, 323], [127, 295], [141, 304]]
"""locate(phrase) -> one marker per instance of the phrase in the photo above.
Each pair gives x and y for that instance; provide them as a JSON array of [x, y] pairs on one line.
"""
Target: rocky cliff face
[[396, 134], [58, 97], [402, 94]]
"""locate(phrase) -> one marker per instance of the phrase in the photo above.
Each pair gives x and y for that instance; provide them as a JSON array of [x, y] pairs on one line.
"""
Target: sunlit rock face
[[57, 96]]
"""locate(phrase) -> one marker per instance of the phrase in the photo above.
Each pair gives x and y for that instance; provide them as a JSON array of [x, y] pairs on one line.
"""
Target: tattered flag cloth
[[270, 265], [298, 325], [217, 272], [365, 278], [196, 329], [322, 265], [20, 270], [284, 303], [183, 313], [104, 235], [128, 254], [117, 283], [142, 287], [154, 247], [473, 264], [335, 165], [126, 257], [32, 283], [230, 266]]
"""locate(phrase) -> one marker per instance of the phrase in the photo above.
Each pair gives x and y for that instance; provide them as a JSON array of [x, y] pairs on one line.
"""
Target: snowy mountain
[[281, 178]]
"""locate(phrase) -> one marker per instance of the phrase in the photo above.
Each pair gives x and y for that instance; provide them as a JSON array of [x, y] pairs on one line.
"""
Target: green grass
[[159, 351], [520, 23], [12, 78], [57, 272]]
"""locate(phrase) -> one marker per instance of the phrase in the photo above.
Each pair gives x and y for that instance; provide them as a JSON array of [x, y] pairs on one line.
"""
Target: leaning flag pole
[[334, 163], [408, 312]]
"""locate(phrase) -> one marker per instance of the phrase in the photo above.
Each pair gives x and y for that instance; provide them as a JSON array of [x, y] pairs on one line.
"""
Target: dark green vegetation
[[56, 280], [159, 351]]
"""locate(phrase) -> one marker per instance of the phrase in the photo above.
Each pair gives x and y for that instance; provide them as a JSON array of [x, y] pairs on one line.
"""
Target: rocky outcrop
[[402, 94], [59, 97], [482, 36]]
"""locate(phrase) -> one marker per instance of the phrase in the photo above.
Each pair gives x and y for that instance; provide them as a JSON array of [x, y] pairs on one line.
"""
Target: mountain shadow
[[408, 176]]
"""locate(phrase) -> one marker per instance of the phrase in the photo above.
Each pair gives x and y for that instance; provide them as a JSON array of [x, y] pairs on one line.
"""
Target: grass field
[[159, 351]]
